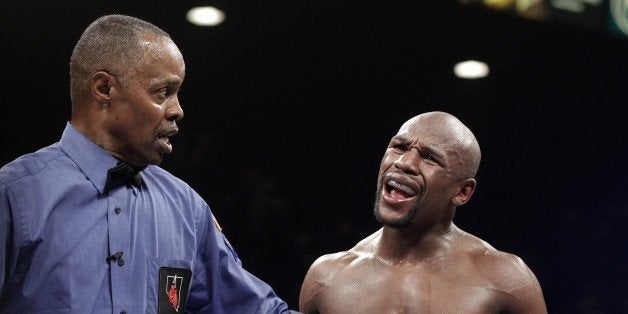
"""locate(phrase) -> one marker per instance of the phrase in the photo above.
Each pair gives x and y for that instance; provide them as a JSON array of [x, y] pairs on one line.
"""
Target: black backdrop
[[289, 107]]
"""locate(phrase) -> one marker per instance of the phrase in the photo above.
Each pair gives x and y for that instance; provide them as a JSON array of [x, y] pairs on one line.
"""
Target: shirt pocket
[[162, 274]]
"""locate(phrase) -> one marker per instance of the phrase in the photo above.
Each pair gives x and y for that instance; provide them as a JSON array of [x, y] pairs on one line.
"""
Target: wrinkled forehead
[[444, 132]]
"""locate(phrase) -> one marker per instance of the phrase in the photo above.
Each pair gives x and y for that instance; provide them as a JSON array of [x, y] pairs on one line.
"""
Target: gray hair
[[111, 43]]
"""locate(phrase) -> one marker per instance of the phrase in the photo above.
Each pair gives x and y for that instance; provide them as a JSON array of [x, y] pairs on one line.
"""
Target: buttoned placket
[[121, 200]]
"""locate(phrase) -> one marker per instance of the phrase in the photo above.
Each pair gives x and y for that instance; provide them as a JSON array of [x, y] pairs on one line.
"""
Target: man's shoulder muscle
[[324, 270], [512, 280], [327, 266]]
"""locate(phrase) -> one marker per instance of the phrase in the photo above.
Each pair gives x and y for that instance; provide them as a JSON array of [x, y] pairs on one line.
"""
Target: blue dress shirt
[[60, 232]]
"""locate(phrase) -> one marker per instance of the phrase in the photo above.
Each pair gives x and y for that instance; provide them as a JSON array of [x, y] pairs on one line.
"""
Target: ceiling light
[[471, 69], [205, 16]]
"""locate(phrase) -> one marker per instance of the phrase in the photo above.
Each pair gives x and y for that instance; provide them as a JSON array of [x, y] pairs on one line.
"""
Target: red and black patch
[[174, 285]]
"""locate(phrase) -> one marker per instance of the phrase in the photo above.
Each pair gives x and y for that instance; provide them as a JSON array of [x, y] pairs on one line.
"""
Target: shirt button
[[122, 312], [117, 210], [120, 262]]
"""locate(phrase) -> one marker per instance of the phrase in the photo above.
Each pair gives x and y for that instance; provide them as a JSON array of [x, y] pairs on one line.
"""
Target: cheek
[[386, 162], [383, 165], [147, 117]]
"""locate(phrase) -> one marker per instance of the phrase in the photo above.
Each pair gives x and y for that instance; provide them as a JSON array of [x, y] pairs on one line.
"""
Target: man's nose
[[409, 161], [174, 112]]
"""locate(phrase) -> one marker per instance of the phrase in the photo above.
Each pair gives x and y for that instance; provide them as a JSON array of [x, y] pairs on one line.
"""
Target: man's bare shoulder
[[506, 273], [502, 269], [324, 270], [330, 264]]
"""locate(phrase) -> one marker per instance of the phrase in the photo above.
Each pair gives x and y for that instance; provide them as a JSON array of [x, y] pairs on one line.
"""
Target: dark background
[[290, 104]]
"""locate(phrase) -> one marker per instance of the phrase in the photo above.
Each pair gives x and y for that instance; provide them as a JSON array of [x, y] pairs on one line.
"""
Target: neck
[[86, 120], [413, 245], [92, 124]]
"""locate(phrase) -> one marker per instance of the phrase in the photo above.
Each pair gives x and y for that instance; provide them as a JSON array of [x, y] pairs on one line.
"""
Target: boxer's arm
[[518, 289], [315, 282], [308, 301]]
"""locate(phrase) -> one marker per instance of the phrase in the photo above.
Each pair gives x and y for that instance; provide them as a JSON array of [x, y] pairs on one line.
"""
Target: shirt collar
[[89, 157]]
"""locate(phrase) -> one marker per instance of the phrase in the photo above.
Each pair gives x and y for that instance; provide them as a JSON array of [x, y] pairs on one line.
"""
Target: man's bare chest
[[375, 289]]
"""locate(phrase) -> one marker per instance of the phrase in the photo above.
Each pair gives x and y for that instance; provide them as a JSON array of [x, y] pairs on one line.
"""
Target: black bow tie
[[123, 173]]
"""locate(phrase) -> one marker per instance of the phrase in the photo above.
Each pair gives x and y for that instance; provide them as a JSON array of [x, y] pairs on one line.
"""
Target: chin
[[154, 159], [397, 223]]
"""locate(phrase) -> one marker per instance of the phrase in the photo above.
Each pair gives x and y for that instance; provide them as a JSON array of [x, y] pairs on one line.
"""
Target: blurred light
[[619, 12], [471, 69], [205, 16], [498, 4], [568, 5]]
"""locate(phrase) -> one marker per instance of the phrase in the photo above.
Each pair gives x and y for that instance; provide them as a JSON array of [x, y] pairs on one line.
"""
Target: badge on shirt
[[173, 289], [216, 223]]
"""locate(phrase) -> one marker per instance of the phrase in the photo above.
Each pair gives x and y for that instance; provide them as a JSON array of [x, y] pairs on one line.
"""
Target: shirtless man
[[420, 261]]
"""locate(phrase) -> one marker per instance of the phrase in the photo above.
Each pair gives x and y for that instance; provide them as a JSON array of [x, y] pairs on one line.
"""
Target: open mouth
[[398, 190], [169, 133], [164, 139]]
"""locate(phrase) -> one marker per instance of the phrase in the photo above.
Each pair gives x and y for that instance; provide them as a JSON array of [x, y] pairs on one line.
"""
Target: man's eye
[[163, 93], [431, 158], [400, 147]]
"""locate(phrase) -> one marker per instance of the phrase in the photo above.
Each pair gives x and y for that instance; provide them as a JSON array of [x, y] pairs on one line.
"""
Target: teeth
[[402, 187]]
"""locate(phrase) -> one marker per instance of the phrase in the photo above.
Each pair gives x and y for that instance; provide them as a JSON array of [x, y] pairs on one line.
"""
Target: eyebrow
[[169, 81], [429, 150], [400, 138], [422, 148], [174, 79]]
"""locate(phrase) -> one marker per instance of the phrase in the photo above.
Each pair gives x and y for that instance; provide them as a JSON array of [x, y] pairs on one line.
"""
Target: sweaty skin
[[420, 261]]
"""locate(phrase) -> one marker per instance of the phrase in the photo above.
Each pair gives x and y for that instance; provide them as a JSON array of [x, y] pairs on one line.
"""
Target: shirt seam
[[45, 164]]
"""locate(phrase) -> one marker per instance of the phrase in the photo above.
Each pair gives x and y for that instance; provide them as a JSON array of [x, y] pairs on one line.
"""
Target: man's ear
[[100, 86], [467, 188]]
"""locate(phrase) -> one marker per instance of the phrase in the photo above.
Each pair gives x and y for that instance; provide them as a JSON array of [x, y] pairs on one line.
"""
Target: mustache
[[168, 131]]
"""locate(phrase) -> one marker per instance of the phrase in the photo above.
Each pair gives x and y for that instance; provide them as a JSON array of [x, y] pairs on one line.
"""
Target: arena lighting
[[471, 69], [205, 16]]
